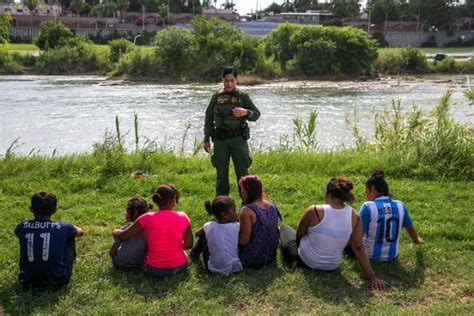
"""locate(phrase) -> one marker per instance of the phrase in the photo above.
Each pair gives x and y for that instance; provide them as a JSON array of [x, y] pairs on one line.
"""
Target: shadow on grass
[[23, 302], [398, 276], [145, 285]]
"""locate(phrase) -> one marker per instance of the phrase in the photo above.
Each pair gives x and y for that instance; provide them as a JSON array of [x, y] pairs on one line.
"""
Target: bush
[[8, 63], [414, 60], [220, 44], [176, 50], [447, 65], [51, 33], [380, 38], [317, 50], [119, 47], [140, 62], [389, 62], [74, 55]]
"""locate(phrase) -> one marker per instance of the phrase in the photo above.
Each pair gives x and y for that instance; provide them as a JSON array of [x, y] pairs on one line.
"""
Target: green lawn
[[447, 50], [435, 278], [20, 47]]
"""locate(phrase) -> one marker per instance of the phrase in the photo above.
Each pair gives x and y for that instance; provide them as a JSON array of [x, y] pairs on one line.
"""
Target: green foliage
[[220, 44], [5, 20], [304, 135], [51, 33], [74, 55], [175, 49], [139, 62], [277, 44], [433, 142], [413, 60], [401, 60], [317, 50], [447, 65], [118, 47], [9, 63]]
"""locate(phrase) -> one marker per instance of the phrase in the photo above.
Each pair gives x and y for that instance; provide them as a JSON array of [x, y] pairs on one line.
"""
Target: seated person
[[218, 241], [382, 220], [129, 254], [259, 235], [47, 248], [325, 230]]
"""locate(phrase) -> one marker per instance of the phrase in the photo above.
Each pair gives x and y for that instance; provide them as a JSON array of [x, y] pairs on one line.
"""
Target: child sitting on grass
[[218, 241], [47, 248], [383, 219], [168, 234], [130, 254]]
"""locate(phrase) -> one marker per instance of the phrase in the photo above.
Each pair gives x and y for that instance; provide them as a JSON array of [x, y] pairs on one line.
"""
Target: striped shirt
[[382, 221]]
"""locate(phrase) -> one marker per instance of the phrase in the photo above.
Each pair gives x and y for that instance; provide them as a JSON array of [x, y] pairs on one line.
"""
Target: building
[[309, 17]]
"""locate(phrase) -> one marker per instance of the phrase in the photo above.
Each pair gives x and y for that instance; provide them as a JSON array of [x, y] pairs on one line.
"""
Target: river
[[68, 115]]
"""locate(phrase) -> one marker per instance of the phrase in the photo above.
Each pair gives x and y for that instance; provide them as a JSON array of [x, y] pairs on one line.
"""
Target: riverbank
[[433, 278]]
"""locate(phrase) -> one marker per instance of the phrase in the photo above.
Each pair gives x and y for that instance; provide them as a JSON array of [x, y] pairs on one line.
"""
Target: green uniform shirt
[[219, 112]]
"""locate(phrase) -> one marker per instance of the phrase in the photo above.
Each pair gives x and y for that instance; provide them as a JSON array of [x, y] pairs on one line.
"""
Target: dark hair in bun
[[341, 188], [377, 181], [163, 194], [219, 206]]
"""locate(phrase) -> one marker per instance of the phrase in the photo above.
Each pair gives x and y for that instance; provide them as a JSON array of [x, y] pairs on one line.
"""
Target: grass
[[437, 277], [447, 50], [20, 47]]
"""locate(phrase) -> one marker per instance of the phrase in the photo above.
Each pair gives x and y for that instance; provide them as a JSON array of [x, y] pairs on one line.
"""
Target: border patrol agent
[[226, 124]]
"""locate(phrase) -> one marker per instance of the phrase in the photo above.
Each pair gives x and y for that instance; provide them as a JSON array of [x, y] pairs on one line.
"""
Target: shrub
[[317, 50], [74, 55], [389, 61], [447, 65], [51, 33], [119, 47], [9, 64], [414, 60], [380, 38], [140, 62], [219, 44], [175, 51]]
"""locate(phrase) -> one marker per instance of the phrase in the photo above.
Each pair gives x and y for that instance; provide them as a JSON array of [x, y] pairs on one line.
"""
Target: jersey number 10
[[390, 226], [30, 239]]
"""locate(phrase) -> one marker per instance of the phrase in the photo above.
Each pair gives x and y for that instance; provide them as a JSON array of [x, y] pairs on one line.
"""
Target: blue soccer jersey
[[45, 254], [382, 222]]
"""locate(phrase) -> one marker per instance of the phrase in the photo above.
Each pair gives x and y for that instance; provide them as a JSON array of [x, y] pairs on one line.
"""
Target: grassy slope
[[436, 277], [20, 47]]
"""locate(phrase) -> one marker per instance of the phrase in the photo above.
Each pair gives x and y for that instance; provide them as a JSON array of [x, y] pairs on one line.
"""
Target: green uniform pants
[[238, 149]]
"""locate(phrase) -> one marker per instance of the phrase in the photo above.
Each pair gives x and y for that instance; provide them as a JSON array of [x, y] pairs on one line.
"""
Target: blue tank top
[[264, 239]]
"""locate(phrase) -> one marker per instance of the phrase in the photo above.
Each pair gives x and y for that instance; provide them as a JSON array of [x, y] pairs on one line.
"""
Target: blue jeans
[[162, 273]]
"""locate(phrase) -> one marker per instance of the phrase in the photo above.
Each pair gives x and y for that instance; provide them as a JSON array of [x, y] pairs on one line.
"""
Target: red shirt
[[165, 237]]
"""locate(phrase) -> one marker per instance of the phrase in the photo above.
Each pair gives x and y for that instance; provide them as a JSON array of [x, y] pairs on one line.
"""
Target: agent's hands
[[117, 232], [239, 112], [377, 284], [207, 147]]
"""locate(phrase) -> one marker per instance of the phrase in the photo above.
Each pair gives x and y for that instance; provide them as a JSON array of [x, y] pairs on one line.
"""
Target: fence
[[415, 39], [28, 33]]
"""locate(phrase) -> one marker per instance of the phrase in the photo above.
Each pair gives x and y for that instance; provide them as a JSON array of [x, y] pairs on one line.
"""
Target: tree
[[345, 8], [385, 10], [175, 51], [122, 5], [439, 13], [80, 7], [275, 8], [51, 33], [5, 20]]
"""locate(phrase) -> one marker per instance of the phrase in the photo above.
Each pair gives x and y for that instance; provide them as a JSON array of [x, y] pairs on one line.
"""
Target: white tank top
[[322, 247]]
